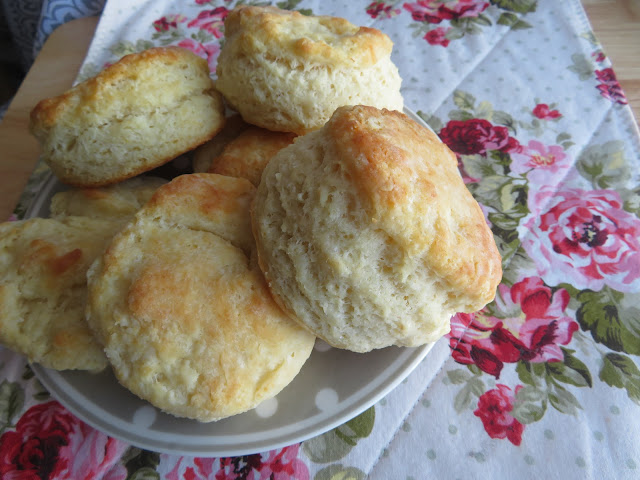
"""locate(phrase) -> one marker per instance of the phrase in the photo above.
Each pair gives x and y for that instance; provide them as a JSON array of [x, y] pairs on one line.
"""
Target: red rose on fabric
[[33, 448], [543, 112], [477, 136], [528, 324], [609, 86], [494, 407], [211, 20], [169, 22], [584, 238], [437, 36], [49, 442], [381, 9], [282, 464], [461, 8], [434, 11]]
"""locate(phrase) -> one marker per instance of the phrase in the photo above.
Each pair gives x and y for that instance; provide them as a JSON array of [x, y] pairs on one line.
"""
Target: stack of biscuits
[[316, 209]]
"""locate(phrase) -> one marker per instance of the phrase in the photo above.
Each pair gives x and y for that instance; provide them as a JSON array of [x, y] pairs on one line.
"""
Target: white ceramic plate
[[333, 387]]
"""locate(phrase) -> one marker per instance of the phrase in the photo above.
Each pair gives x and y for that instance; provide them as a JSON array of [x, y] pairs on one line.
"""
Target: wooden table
[[615, 22]]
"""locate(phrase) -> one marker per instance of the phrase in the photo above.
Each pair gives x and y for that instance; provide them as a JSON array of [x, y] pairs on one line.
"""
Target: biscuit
[[368, 236], [137, 114], [205, 153], [43, 289], [119, 201], [183, 310], [248, 154], [288, 72]]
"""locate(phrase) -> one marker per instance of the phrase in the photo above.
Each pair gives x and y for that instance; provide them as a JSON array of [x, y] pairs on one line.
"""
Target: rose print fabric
[[544, 382]]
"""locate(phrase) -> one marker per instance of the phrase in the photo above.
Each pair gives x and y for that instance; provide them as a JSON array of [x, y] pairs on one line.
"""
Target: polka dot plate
[[332, 387]]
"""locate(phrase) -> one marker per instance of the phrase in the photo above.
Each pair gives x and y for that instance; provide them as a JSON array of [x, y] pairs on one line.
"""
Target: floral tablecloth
[[542, 383]]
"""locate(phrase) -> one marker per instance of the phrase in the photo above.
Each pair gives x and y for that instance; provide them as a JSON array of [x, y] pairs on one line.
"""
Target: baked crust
[[285, 34], [288, 72], [408, 181], [136, 114], [368, 236], [43, 265], [248, 154], [183, 310]]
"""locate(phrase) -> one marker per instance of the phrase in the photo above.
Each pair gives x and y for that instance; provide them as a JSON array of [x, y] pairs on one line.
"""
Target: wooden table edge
[[52, 73]]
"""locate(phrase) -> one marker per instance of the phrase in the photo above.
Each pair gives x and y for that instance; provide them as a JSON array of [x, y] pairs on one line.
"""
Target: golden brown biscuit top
[[314, 39], [248, 154], [103, 88], [203, 201], [408, 182]]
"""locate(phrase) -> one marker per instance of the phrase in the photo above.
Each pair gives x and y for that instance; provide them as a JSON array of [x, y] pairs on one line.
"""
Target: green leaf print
[[563, 400], [484, 110], [631, 200], [478, 166], [340, 472], [337, 443], [571, 370], [612, 318], [464, 100], [514, 259], [469, 394], [518, 6], [434, 122], [521, 25], [530, 373], [141, 464], [121, 49], [619, 371], [11, 403], [582, 65], [146, 473], [508, 19], [604, 165], [482, 20], [460, 115], [458, 376], [292, 4], [530, 405], [503, 118]]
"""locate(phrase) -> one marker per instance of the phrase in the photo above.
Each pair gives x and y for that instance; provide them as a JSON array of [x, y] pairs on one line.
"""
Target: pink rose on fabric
[[169, 22], [211, 20], [609, 87], [528, 323], [381, 9], [188, 468], [209, 51], [543, 112], [434, 11], [282, 464], [49, 442], [437, 36], [477, 136], [494, 407], [541, 163], [584, 238], [91, 454]]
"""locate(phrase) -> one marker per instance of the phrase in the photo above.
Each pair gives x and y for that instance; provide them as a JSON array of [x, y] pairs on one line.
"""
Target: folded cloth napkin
[[542, 383]]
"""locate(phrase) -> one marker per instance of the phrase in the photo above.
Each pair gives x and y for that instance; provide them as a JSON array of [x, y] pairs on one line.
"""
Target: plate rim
[[48, 379]]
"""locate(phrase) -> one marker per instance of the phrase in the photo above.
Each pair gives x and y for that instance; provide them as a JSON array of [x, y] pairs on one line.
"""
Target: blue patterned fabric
[[56, 12], [30, 22]]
